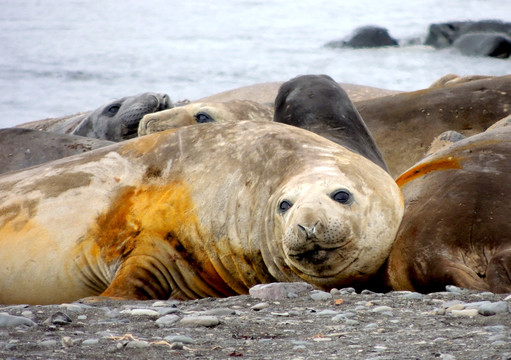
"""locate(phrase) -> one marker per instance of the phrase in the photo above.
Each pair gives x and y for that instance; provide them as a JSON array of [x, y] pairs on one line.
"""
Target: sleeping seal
[[456, 228], [115, 121]]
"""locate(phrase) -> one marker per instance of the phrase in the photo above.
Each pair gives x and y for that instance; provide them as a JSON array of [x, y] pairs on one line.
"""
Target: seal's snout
[[309, 231]]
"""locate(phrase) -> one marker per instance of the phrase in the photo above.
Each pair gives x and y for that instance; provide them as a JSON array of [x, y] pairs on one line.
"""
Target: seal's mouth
[[317, 255]]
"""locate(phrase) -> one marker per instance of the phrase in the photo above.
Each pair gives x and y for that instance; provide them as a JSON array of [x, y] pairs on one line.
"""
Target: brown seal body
[[22, 148], [198, 113], [456, 228], [405, 124], [205, 210], [265, 93]]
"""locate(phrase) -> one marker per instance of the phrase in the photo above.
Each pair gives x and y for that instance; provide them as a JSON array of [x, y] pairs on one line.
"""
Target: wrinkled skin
[[203, 112], [155, 217], [115, 121], [22, 148], [456, 228]]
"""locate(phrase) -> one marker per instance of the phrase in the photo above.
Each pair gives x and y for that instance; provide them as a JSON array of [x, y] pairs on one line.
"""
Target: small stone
[[465, 312], [347, 291], [260, 306], [318, 295], [82, 317], [7, 320], [67, 341], [276, 291], [179, 339], [176, 346], [507, 298], [351, 322], [380, 309], [219, 312], [447, 357], [454, 289], [141, 312], [280, 314], [497, 337], [73, 308], [89, 342], [207, 321], [168, 310], [335, 292], [327, 313], [371, 326], [456, 307], [167, 320], [499, 307], [58, 318], [48, 343], [138, 344], [413, 296], [499, 343]]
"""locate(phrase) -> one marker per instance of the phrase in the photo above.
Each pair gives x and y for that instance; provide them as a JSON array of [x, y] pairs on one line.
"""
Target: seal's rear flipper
[[499, 272]]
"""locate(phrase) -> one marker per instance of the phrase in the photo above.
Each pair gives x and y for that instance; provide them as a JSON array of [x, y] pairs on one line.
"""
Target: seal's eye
[[284, 206], [342, 197], [202, 117], [113, 109]]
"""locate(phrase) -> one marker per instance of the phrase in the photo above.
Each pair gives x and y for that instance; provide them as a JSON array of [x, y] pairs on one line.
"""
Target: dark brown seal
[[456, 228], [318, 104]]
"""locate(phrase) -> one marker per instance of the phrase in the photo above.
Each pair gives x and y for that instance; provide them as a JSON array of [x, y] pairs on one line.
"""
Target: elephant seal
[[22, 148], [456, 228], [265, 93], [199, 211], [197, 113], [115, 121], [317, 103], [404, 125]]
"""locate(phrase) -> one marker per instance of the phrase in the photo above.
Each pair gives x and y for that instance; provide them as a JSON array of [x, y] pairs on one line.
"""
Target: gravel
[[288, 321]]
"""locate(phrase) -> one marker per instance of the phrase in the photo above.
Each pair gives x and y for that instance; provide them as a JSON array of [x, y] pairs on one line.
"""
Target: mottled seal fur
[[266, 92], [317, 103], [456, 228], [204, 210], [404, 125], [115, 121], [197, 113], [22, 148]]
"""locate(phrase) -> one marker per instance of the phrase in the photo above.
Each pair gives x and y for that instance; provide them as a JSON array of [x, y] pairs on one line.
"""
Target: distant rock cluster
[[473, 38]]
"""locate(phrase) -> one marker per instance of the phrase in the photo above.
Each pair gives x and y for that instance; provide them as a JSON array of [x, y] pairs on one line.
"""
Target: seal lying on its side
[[456, 228], [317, 103], [22, 148], [205, 210], [115, 121], [198, 113], [404, 125]]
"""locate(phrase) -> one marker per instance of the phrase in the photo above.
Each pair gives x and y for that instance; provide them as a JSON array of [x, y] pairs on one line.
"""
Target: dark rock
[[443, 35], [366, 37], [484, 44]]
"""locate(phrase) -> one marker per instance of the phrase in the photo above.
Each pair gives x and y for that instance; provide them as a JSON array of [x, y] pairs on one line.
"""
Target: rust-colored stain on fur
[[425, 168], [143, 218]]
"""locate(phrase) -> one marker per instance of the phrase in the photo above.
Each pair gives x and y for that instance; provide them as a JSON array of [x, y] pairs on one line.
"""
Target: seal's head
[[334, 225], [119, 119], [204, 112]]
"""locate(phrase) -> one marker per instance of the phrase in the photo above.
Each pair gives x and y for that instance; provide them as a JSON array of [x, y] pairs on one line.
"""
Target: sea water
[[59, 57]]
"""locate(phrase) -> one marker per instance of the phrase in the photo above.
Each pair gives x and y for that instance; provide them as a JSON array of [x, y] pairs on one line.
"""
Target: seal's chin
[[316, 256]]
